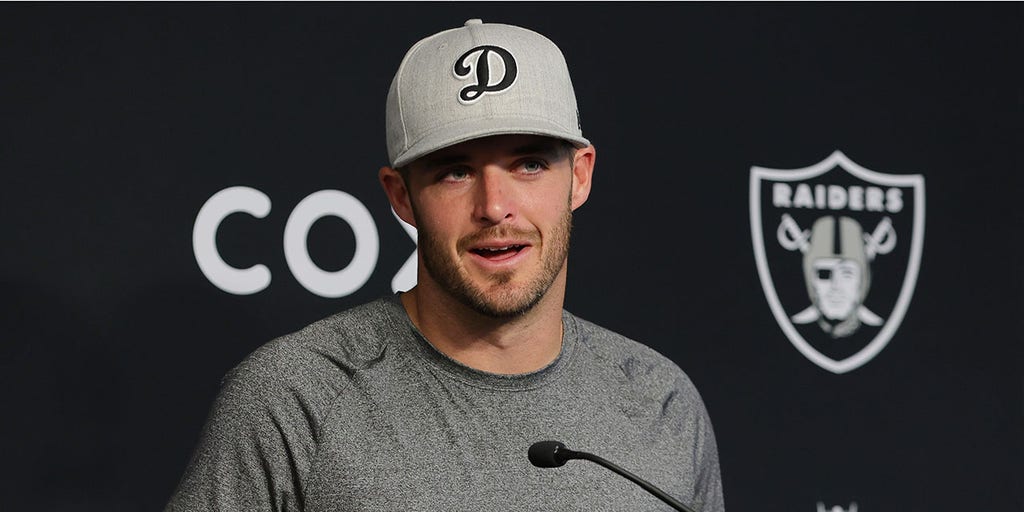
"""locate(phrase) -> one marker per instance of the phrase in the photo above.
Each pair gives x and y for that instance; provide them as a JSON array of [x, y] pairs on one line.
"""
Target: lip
[[478, 253]]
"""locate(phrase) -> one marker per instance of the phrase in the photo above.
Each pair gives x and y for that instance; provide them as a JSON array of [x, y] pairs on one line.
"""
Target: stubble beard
[[498, 297]]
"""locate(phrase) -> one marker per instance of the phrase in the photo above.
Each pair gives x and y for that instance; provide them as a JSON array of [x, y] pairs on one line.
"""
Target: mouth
[[498, 253]]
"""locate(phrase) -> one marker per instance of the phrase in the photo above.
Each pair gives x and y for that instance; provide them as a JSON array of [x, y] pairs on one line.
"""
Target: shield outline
[[837, 158]]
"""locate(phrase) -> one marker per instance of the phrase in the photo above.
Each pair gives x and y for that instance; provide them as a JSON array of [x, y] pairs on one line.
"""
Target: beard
[[498, 296]]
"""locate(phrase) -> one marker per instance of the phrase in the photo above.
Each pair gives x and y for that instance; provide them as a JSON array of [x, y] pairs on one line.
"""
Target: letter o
[[296, 231], [204, 240]]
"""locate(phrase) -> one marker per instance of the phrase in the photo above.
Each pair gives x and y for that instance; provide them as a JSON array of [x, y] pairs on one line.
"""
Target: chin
[[503, 303]]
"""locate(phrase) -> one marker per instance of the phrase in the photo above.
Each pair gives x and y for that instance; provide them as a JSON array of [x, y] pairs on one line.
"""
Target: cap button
[[474, 21]]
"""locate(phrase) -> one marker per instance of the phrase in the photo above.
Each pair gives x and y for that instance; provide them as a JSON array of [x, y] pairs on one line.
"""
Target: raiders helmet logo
[[841, 267], [493, 67]]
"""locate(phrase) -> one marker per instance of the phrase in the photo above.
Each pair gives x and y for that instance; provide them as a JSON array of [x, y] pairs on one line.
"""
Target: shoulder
[[639, 366], [263, 431], [320, 358], [656, 389]]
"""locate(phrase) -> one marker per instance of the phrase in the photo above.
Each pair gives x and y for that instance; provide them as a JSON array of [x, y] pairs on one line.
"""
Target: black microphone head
[[548, 454]]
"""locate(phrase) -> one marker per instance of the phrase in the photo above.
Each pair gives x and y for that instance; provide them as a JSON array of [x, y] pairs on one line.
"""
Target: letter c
[[204, 240]]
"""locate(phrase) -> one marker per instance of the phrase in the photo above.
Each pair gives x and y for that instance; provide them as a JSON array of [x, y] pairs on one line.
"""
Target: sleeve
[[707, 492], [254, 451]]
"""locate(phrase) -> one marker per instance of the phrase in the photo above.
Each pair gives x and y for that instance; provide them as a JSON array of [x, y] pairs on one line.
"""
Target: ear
[[583, 171], [398, 194]]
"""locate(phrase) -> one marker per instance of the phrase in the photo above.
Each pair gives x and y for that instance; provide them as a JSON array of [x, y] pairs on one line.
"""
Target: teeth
[[498, 249]]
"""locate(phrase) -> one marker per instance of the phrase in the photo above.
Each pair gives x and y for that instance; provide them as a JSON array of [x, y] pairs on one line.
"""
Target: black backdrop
[[119, 121]]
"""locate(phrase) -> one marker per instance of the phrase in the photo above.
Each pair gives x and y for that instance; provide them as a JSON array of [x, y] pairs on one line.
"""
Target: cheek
[[438, 228], [433, 212], [433, 227], [550, 203]]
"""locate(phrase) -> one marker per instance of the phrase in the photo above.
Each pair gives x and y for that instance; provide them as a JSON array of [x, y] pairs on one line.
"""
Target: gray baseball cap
[[478, 80]]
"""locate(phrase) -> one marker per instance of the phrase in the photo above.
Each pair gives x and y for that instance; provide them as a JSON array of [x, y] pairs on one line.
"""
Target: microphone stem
[[635, 479]]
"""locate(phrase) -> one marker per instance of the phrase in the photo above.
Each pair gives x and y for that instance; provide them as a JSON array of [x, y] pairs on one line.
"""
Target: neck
[[520, 344]]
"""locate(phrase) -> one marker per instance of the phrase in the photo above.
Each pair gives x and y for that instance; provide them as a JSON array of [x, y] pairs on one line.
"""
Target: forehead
[[493, 147]]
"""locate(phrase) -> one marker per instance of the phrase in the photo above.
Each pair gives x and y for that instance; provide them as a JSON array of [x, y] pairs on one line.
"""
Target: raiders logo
[[838, 249], [481, 63]]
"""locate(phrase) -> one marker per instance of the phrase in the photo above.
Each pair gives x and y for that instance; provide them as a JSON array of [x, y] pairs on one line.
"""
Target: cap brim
[[470, 129]]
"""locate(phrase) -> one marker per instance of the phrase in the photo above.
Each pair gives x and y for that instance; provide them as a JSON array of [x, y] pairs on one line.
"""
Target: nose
[[495, 200]]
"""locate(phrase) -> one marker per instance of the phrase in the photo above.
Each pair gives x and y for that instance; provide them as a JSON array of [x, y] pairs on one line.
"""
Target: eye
[[533, 166], [454, 175]]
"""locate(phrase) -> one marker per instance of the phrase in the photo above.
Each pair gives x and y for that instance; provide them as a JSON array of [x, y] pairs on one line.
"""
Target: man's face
[[493, 217], [837, 286]]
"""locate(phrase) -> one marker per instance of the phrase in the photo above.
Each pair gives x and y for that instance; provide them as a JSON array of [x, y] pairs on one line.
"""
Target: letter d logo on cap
[[464, 68]]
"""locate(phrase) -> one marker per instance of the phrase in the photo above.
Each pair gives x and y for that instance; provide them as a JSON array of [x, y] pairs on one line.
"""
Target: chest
[[428, 443]]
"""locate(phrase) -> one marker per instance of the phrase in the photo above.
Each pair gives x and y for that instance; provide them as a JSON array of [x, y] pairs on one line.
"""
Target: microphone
[[553, 454]]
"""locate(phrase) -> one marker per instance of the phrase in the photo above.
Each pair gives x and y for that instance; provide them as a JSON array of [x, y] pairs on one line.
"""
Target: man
[[430, 399]]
